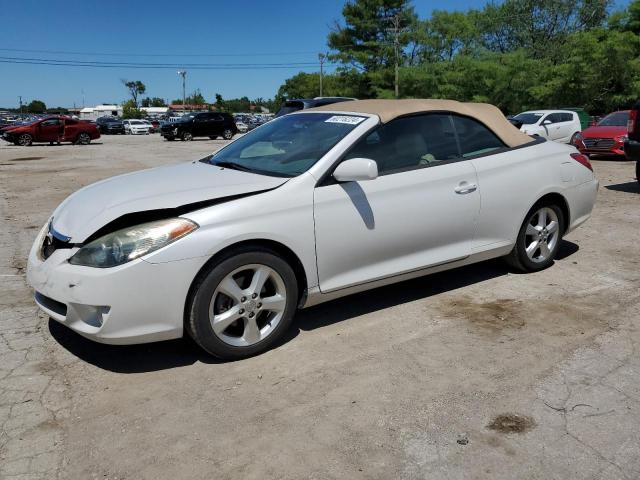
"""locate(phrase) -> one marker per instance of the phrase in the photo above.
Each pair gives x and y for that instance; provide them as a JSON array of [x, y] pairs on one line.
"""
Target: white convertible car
[[307, 208]]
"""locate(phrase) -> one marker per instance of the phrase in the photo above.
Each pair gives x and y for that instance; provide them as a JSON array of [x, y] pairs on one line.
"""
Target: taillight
[[583, 159], [632, 123]]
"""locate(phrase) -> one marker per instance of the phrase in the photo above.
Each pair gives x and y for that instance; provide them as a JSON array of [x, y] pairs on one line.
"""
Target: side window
[[50, 122], [553, 118], [567, 117], [409, 143], [475, 139]]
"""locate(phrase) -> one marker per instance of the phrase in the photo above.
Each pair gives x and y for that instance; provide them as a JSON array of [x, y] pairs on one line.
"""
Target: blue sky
[[278, 31]]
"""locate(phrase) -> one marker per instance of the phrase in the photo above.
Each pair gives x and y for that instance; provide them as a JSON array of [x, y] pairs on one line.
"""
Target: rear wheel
[[243, 305], [187, 137], [227, 134], [538, 239], [83, 139], [25, 140]]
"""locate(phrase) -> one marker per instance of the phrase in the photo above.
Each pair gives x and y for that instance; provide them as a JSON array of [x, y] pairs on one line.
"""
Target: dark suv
[[291, 106], [632, 144], [204, 124], [110, 125]]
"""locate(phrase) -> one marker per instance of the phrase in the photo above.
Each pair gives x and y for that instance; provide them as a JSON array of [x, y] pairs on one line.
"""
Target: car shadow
[[628, 187], [170, 354]]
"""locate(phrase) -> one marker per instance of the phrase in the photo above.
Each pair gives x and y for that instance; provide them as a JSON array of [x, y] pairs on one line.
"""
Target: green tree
[[36, 106], [366, 40], [153, 102], [130, 110], [135, 87], [196, 98], [539, 26]]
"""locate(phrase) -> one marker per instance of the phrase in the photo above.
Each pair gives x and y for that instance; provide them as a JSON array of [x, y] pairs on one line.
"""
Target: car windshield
[[617, 119], [528, 118], [287, 146]]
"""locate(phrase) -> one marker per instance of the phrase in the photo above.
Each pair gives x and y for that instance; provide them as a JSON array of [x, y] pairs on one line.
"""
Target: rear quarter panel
[[512, 182]]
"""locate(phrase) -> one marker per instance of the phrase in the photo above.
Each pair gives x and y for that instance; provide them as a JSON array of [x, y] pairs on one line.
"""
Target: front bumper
[[617, 149], [137, 302]]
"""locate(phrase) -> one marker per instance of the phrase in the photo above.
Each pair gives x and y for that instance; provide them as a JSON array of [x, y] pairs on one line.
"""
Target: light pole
[[183, 74], [321, 57]]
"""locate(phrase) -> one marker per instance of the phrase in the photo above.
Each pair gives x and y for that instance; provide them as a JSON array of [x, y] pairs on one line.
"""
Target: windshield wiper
[[233, 166]]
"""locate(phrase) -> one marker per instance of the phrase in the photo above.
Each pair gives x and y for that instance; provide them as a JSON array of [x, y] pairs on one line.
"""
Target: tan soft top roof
[[387, 110]]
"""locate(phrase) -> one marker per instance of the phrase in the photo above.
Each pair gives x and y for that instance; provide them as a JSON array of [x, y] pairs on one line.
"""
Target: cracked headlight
[[130, 243]]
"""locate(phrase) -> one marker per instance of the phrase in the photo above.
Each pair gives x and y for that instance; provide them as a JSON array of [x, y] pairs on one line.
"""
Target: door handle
[[465, 187]]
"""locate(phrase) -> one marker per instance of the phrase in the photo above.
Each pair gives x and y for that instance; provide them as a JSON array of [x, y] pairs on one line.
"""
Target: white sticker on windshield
[[344, 119]]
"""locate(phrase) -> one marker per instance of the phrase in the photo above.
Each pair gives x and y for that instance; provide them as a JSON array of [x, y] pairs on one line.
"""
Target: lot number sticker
[[344, 119]]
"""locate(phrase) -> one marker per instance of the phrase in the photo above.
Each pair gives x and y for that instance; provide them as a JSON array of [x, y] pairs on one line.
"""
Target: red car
[[607, 137], [52, 129]]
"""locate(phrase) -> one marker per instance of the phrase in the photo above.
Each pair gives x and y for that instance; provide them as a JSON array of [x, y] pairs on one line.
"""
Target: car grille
[[52, 242], [599, 143]]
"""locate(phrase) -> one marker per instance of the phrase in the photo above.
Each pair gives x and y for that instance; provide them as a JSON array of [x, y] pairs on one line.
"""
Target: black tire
[[197, 322], [83, 139], [227, 134], [187, 136], [25, 140], [213, 137], [518, 258]]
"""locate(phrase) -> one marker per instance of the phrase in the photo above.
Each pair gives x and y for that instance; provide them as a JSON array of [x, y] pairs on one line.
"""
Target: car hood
[[96, 205], [604, 132]]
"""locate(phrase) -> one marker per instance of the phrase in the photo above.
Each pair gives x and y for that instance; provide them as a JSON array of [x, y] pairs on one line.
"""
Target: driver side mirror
[[356, 169], [546, 122]]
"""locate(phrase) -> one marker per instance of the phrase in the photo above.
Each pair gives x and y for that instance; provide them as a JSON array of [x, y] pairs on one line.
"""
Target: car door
[[217, 124], [49, 130], [421, 211], [552, 124]]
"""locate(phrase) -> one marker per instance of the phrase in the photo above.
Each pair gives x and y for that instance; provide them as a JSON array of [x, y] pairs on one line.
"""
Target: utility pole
[[20, 98], [321, 57], [396, 45], [183, 74]]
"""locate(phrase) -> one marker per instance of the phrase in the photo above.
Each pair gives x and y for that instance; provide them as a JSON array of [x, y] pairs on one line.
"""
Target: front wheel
[[243, 305], [538, 239], [227, 134], [25, 140], [187, 137]]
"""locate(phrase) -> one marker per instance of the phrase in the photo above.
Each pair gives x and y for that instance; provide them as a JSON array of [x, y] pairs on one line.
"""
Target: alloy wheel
[[227, 134], [247, 305], [542, 234], [24, 140], [187, 137], [84, 139]]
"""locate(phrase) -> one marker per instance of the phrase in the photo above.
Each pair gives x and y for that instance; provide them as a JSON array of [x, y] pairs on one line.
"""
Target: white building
[[155, 111], [91, 113]]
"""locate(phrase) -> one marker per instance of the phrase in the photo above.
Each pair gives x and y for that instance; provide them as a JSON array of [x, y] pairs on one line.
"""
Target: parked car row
[[605, 136]]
